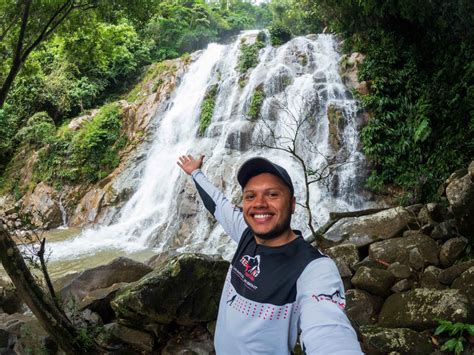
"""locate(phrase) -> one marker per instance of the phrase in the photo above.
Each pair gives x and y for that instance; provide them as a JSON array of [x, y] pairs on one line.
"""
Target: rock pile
[[403, 269]]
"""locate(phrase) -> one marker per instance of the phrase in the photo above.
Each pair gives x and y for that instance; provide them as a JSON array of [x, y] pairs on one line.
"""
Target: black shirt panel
[[268, 274]]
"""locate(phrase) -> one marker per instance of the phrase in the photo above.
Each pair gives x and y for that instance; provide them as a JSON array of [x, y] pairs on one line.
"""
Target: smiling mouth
[[262, 217]]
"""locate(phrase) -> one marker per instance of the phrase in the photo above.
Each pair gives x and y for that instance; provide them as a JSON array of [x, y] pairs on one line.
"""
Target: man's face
[[267, 206]]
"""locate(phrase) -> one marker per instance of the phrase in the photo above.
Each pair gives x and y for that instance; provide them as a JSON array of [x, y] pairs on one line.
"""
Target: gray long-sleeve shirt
[[273, 293]]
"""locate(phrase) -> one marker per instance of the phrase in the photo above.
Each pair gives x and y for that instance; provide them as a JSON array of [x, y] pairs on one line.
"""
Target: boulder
[[198, 341], [9, 301], [159, 259], [378, 340], [362, 307], [43, 206], [399, 271], [444, 230], [465, 283], [186, 290], [336, 124], [419, 308], [448, 275], [345, 253], [120, 270], [430, 278], [460, 195], [364, 230], [401, 286], [137, 339], [376, 281], [452, 250], [398, 250]]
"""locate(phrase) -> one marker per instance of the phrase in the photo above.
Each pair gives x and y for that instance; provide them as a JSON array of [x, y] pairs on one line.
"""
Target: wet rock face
[[419, 308], [43, 206], [168, 294], [378, 340]]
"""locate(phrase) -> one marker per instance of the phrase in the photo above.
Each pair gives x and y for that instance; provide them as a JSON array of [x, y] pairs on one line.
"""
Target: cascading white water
[[157, 216]]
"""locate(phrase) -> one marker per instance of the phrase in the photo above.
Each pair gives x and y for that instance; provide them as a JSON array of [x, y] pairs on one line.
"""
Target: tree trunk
[[50, 318]]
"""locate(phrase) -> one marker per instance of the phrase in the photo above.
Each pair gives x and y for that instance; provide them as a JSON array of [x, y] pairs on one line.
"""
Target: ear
[[293, 204]]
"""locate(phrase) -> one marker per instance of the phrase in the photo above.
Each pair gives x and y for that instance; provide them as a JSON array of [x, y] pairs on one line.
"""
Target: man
[[277, 283]]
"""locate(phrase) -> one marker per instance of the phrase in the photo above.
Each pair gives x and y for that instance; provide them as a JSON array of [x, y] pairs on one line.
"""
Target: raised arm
[[229, 216], [325, 328]]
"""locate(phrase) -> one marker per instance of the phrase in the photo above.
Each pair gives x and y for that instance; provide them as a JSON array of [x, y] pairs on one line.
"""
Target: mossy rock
[[186, 290], [378, 340]]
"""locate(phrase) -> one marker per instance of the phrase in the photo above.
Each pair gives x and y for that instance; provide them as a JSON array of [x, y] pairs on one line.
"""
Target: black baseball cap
[[256, 166]]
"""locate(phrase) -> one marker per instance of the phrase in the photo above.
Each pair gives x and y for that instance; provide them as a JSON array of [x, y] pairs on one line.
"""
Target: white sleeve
[[230, 217], [325, 328]]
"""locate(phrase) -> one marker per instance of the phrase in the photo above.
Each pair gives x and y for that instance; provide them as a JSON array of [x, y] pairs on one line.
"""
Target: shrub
[[39, 130], [256, 103], [207, 109], [279, 34]]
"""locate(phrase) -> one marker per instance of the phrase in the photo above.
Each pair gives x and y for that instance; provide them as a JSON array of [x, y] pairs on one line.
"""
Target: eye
[[273, 194], [249, 197]]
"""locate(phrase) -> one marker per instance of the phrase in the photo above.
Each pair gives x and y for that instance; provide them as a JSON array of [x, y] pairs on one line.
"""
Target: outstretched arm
[[229, 216], [325, 328]]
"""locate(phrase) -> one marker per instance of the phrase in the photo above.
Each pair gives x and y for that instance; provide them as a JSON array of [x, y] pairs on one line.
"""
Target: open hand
[[189, 164]]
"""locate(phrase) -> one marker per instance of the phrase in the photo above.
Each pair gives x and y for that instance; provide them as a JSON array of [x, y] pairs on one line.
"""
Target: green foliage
[[207, 109], [39, 130], [421, 77], [279, 33], [256, 104], [86, 156], [248, 57], [8, 127], [457, 335]]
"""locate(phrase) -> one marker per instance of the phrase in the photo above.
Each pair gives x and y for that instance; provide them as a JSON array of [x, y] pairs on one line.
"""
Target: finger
[[190, 157], [201, 158]]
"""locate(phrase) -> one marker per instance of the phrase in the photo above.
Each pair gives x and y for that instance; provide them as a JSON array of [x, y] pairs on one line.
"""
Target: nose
[[260, 201]]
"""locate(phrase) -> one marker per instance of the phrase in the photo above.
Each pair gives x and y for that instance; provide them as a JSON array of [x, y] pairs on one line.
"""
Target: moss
[[256, 103], [207, 109]]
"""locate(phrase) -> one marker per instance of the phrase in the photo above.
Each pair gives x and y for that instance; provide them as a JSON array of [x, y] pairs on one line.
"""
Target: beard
[[278, 230]]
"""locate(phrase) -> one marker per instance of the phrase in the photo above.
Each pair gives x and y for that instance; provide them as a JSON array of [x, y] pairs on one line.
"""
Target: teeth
[[262, 215]]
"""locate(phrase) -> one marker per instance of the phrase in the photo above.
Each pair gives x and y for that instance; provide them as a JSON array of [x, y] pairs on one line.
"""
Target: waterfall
[[164, 212], [63, 214]]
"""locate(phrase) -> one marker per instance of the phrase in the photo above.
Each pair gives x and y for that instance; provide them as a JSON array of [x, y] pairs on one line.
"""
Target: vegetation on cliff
[[421, 84]]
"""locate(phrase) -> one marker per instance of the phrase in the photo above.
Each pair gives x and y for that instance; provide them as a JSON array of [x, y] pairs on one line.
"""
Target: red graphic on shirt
[[252, 266], [335, 297]]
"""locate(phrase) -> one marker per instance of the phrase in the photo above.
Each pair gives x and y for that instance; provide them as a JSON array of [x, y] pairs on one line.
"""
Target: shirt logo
[[252, 266], [335, 297]]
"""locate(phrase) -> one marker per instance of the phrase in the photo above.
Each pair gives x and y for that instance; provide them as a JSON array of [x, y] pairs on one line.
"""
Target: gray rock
[[159, 259], [399, 271], [419, 308], [460, 195], [401, 286], [137, 339], [430, 279], [196, 342], [345, 253], [465, 283], [367, 229], [368, 263], [448, 275], [362, 307], [375, 281], [444, 230], [119, 270], [415, 259], [451, 250], [378, 340], [398, 249], [185, 291]]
